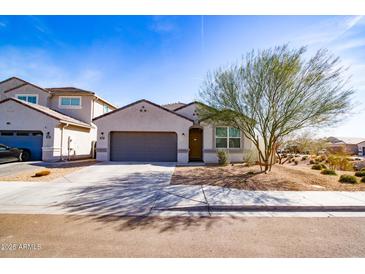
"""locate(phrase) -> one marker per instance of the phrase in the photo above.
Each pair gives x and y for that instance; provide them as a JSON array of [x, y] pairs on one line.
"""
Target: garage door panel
[[143, 146], [31, 140]]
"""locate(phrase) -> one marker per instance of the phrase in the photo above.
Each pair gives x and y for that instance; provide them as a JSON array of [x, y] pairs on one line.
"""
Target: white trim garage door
[[31, 140], [143, 146]]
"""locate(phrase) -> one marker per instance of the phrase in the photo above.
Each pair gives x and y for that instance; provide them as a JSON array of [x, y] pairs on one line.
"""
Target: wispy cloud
[[38, 66], [2, 24], [329, 31], [351, 22], [349, 44]]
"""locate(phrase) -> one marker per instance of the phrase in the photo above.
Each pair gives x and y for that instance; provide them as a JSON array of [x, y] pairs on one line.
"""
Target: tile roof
[[52, 113], [173, 106], [346, 140], [69, 89], [148, 102]]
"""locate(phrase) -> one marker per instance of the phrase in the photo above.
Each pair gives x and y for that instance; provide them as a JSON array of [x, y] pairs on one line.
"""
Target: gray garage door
[[143, 146], [31, 140]]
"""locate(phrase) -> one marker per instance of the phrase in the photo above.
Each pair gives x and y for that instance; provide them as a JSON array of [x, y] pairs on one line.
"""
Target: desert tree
[[275, 92]]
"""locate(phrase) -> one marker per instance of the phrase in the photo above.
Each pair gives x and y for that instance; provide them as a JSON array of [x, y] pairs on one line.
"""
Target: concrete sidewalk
[[50, 198], [218, 199]]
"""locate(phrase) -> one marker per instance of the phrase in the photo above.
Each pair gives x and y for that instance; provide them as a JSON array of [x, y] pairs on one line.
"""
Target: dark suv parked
[[11, 154]]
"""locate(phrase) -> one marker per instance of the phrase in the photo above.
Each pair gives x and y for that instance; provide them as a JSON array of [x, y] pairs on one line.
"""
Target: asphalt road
[[75, 236]]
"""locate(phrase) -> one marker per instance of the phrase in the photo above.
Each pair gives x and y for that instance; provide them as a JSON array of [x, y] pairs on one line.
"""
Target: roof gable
[[12, 78], [148, 102], [25, 83]]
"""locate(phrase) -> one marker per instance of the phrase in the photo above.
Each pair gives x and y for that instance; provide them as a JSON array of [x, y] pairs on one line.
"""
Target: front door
[[195, 144]]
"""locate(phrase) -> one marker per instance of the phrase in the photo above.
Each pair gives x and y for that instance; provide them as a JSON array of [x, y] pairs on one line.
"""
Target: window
[[227, 137], [22, 134], [32, 98], [70, 102], [106, 108], [7, 133]]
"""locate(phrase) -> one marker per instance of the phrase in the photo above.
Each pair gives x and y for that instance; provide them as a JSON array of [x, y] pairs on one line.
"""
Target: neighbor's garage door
[[31, 140], [143, 146]]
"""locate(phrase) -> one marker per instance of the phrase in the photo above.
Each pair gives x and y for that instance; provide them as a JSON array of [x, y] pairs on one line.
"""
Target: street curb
[[258, 208]]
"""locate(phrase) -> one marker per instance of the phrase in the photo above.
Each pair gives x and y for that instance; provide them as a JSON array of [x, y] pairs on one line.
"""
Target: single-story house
[[52, 123], [145, 131], [351, 145]]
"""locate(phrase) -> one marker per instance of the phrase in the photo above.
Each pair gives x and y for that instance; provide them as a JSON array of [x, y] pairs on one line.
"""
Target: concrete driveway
[[7, 169], [107, 188]]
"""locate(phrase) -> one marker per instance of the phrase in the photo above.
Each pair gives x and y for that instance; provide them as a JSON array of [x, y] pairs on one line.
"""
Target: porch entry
[[195, 145]]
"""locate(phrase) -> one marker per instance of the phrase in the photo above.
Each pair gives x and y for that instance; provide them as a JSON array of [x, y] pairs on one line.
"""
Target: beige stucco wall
[[80, 145], [29, 89], [210, 152], [98, 108], [8, 85], [154, 119], [83, 114]]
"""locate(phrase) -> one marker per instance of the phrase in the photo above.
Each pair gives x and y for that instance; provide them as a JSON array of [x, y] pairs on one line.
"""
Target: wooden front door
[[195, 144]]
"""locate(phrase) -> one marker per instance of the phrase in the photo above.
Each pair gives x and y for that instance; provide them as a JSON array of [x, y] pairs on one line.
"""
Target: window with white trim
[[30, 98], [227, 137], [70, 102]]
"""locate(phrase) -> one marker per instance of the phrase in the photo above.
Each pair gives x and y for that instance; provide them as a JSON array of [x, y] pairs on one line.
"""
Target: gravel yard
[[286, 177], [57, 170]]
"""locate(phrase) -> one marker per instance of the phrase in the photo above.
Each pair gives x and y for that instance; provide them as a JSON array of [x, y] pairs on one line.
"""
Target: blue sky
[[166, 58]]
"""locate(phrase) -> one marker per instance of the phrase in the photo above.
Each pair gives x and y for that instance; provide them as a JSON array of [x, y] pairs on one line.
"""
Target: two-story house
[[53, 123]]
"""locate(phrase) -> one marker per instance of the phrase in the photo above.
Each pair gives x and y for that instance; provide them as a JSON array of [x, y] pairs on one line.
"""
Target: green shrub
[[321, 158], [323, 166], [340, 162], [317, 167], [360, 174], [363, 169], [328, 172], [348, 179], [304, 158], [311, 162], [296, 162], [362, 180], [222, 157]]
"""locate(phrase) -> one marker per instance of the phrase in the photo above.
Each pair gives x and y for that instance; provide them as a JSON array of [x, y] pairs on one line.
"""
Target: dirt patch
[[56, 170], [282, 177]]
